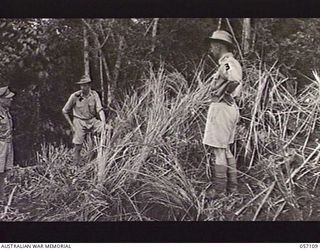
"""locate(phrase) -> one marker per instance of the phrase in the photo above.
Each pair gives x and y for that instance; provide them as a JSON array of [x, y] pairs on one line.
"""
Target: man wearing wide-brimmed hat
[[85, 105], [6, 147], [223, 113]]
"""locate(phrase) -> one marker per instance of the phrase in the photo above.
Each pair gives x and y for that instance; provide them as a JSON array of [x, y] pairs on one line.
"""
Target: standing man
[[85, 105], [6, 147], [223, 113]]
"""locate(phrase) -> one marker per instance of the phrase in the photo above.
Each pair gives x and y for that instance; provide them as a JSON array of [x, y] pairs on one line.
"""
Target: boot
[[218, 189], [220, 185], [219, 182], [232, 183], [232, 186]]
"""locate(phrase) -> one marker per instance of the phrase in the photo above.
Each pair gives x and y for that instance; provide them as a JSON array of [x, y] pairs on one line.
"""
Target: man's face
[[215, 49], [6, 102], [85, 87]]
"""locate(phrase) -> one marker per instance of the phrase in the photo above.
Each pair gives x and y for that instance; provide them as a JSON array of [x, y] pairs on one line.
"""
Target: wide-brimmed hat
[[221, 35], [84, 79], [5, 92]]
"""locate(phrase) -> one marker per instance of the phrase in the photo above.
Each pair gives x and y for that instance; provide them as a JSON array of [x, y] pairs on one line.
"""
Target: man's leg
[[220, 180], [77, 153], [78, 138], [2, 177], [232, 172], [4, 149]]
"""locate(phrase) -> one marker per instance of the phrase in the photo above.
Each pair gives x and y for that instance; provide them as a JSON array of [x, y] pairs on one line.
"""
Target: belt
[[228, 99], [83, 119]]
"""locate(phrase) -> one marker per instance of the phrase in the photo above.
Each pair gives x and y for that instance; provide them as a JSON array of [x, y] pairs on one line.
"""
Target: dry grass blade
[[9, 202], [279, 210], [250, 202], [304, 163], [263, 201]]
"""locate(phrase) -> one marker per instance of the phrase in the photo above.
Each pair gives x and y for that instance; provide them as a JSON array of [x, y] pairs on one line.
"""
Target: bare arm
[[102, 116], [67, 116], [99, 109], [65, 112]]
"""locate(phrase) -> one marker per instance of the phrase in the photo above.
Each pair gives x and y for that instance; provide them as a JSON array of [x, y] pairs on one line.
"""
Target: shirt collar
[[224, 57], [90, 93]]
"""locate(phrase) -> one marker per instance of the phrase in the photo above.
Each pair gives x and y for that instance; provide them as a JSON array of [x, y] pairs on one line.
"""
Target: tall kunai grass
[[153, 166]]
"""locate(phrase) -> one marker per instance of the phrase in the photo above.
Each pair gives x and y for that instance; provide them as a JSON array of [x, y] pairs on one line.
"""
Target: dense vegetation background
[[42, 58]]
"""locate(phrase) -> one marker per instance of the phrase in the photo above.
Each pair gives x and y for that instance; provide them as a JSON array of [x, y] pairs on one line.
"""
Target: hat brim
[[10, 95], [80, 83], [3, 90], [7, 96], [210, 39]]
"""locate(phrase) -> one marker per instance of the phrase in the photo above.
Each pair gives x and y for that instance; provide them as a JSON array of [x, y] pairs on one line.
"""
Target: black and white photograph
[[159, 119]]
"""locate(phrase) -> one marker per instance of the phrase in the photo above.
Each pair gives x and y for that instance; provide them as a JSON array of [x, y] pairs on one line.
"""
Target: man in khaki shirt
[[223, 113], [6, 147], [85, 105]]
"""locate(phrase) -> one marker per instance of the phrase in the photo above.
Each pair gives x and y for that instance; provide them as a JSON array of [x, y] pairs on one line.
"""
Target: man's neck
[[85, 94], [223, 55]]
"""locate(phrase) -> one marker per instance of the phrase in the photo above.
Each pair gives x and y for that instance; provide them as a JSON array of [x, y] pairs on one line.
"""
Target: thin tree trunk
[[254, 35], [118, 61], [109, 90], [101, 79], [112, 82], [219, 23], [246, 35], [86, 52], [235, 39], [154, 33]]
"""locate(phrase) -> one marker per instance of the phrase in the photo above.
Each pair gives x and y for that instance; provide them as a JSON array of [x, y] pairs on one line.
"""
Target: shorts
[[221, 124], [83, 127], [6, 155]]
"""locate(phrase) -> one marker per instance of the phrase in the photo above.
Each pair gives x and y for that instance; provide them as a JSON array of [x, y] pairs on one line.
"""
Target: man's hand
[[108, 126], [73, 129]]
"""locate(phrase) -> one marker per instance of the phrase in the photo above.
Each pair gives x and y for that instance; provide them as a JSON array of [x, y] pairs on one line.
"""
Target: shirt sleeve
[[98, 103], [69, 105], [232, 71]]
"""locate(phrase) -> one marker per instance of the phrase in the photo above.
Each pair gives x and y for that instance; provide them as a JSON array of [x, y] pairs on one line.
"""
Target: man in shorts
[[85, 105], [6, 147], [223, 113]]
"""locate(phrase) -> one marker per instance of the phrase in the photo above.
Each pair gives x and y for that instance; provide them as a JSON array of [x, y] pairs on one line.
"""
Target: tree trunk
[[235, 39], [101, 79], [254, 35], [154, 33], [246, 35], [109, 85], [219, 23], [86, 52], [118, 61]]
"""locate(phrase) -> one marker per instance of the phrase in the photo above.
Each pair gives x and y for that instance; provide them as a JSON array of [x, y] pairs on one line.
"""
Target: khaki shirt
[[83, 107], [229, 70], [5, 125]]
